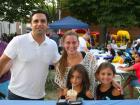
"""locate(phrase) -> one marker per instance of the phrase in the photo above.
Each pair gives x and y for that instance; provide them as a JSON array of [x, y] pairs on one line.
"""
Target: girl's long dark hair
[[85, 78]]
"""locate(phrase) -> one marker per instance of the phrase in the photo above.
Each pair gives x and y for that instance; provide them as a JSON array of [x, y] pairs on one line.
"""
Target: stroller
[[2, 96], [4, 82], [128, 58], [4, 90]]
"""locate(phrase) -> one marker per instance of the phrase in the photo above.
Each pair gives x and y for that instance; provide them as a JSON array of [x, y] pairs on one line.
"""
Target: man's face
[[39, 24]]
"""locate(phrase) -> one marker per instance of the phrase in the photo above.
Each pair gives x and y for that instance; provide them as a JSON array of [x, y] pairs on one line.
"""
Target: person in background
[[88, 40], [31, 55], [138, 44], [134, 80], [114, 45], [4, 78], [105, 90], [53, 35], [110, 51], [82, 44], [78, 81], [118, 58], [128, 48]]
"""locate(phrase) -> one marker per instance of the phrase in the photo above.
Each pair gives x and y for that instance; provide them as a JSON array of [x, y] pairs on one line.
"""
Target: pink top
[[137, 69]]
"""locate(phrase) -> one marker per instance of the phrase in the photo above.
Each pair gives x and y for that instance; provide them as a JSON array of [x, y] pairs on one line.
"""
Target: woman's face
[[71, 44], [106, 76], [76, 79]]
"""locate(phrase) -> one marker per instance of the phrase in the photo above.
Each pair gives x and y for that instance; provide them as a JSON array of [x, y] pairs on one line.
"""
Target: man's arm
[[4, 64]]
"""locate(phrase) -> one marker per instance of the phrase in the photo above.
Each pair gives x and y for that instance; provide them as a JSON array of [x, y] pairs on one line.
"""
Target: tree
[[19, 10], [114, 13]]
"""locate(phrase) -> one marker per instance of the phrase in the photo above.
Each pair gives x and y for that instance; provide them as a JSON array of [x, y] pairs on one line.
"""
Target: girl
[[105, 90], [78, 80], [133, 80]]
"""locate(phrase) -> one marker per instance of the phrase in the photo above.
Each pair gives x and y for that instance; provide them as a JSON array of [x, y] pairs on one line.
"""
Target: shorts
[[135, 83]]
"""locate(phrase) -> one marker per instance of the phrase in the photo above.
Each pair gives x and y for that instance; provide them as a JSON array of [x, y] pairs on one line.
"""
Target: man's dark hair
[[39, 11]]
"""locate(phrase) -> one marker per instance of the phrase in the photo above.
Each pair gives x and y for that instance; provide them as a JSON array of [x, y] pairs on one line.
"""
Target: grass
[[51, 88], [127, 92]]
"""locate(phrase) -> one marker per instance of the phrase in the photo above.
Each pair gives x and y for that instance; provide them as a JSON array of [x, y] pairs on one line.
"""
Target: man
[[31, 55]]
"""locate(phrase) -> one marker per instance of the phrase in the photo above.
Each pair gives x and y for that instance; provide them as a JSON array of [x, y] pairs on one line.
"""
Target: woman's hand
[[62, 92]]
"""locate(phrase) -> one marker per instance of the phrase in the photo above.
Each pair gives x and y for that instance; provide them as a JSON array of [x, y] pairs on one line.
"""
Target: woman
[[110, 50], [70, 57]]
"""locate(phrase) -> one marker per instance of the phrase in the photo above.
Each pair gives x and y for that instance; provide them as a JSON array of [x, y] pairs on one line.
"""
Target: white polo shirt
[[30, 65]]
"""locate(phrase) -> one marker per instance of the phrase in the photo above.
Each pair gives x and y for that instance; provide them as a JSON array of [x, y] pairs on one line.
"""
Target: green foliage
[[83, 9], [109, 12], [113, 13], [20, 10]]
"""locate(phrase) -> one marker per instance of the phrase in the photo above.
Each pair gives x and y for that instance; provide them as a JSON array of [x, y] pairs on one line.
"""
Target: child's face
[[109, 47], [76, 78], [137, 58], [106, 76]]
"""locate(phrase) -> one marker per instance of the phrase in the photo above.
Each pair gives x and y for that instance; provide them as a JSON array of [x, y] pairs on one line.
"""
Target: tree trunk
[[102, 38], [9, 28]]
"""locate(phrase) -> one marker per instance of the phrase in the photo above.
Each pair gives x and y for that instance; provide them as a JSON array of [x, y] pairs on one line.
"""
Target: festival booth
[[95, 35], [68, 23]]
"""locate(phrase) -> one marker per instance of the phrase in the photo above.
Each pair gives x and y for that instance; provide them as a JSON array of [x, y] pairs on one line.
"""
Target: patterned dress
[[90, 64]]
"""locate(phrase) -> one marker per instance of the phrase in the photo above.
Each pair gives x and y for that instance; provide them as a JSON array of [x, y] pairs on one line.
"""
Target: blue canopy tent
[[68, 23]]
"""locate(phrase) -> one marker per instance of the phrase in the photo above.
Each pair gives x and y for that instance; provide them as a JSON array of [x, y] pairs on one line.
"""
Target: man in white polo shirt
[[31, 54]]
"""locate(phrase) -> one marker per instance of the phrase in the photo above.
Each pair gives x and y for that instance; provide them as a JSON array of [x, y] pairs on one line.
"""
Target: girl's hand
[[89, 94], [117, 86], [71, 98], [65, 91]]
